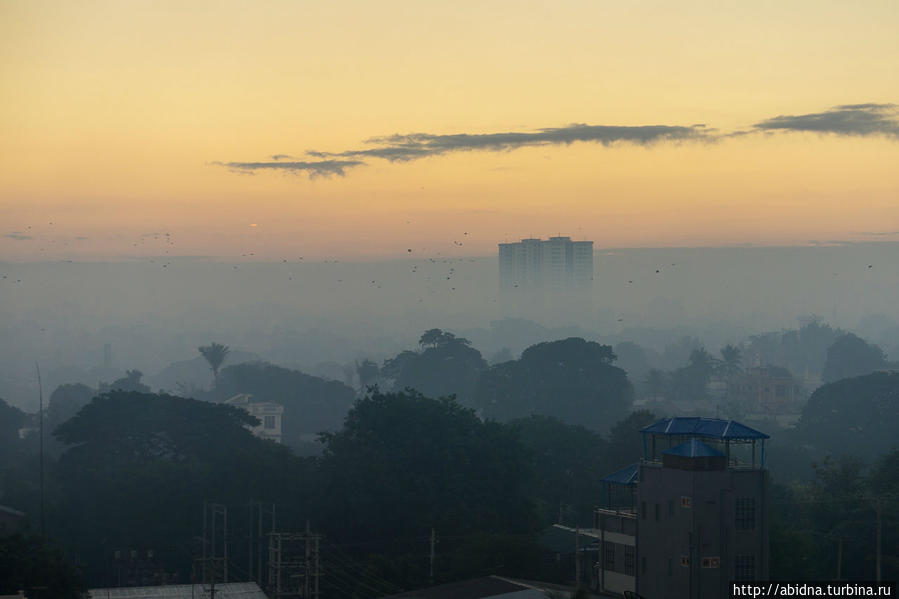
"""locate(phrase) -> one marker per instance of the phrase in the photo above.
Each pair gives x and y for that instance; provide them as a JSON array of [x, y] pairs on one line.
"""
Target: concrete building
[[690, 517], [557, 263], [268, 413], [766, 389]]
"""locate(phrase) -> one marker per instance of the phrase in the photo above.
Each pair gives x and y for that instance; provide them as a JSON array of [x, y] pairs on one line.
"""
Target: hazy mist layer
[[321, 316]]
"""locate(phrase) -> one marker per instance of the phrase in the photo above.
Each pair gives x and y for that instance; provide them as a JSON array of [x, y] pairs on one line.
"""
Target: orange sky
[[114, 113]]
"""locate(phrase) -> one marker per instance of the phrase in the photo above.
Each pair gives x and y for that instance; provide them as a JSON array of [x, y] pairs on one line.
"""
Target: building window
[[711, 562], [745, 513], [670, 508], [630, 558], [686, 502], [269, 421], [685, 561], [609, 562], [658, 511], [744, 567]]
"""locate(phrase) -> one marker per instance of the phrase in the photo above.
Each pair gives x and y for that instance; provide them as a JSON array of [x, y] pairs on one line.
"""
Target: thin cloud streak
[[869, 119], [860, 120], [413, 146], [320, 168]]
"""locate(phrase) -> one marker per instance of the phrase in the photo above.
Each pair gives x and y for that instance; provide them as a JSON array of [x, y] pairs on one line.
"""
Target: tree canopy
[[849, 356], [403, 463], [447, 365], [572, 379], [311, 404], [858, 416], [215, 354], [140, 466]]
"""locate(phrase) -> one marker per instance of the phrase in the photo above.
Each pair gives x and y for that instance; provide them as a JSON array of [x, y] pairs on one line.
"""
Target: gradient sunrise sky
[[266, 127]]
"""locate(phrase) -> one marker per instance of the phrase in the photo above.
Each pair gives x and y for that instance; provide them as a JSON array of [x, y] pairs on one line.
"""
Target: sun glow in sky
[[121, 120]]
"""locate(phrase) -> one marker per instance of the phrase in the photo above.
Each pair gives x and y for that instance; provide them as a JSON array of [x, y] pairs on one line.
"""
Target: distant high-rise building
[[554, 264]]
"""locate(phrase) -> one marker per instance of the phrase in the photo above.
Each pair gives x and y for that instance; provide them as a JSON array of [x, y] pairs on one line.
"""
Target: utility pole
[[577, 557], [203, 569], [431, 562], [317, 566], [40, 392], [840, 559], [306, 564], [879, 507]]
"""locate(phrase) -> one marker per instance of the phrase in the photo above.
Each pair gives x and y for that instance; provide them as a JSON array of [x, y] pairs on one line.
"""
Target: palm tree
[[215, 354], [729, 365]]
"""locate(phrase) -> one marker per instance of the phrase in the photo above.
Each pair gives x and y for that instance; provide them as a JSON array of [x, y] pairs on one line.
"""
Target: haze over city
[[456, 289]]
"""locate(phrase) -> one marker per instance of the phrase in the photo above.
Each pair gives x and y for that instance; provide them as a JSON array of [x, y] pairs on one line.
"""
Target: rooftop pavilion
[[737, 442]]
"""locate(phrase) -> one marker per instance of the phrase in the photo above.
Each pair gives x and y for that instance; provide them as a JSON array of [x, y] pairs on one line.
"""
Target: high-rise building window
[[744, 513], [744, 567], [269, 422], [630, 559]]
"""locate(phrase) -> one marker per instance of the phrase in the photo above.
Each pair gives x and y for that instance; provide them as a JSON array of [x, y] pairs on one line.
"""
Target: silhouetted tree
[[731, 359], [656, 383], [367, 372], [448, 366], [129, 382], [403, 463], [568, 460], [689, 382], [311, 404], [215, 354], [37, 566], [573, 380], [626, 439], [11, 420], [858, 415], [851, 356], [124, 447]]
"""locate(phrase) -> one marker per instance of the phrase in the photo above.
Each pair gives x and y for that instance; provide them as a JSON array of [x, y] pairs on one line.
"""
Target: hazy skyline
[[426, 125]]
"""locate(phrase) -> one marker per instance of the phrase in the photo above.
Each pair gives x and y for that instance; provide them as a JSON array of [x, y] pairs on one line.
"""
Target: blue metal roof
[[625, 476], [694, 448], [712, 428]]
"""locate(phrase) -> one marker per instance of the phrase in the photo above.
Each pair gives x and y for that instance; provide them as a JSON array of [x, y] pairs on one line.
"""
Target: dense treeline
[[524, 446]]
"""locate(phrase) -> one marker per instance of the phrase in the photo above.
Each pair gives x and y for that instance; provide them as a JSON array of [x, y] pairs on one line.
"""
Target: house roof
[[487, 587], [694, 448], [711, 428], [11, 512], [625, 476], [223, 590]]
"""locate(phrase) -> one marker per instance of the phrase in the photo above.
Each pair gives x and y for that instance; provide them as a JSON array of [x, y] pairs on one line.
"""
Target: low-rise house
[[269, 414]]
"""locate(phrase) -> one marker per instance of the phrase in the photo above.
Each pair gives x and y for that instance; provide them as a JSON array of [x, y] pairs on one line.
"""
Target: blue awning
[[625, 476]]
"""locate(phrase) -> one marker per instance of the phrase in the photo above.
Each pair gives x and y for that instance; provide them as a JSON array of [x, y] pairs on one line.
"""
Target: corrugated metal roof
[[712, 428], [223, 590], [625, 476], [694, 448]]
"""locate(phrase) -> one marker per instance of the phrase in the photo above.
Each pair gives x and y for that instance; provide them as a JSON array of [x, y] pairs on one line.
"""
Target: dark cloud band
[[849, 119], [403, 148]]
